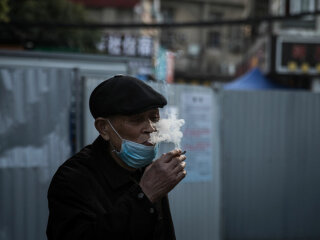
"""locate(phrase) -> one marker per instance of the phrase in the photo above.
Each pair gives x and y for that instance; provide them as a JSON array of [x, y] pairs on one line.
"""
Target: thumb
[[149, 166]]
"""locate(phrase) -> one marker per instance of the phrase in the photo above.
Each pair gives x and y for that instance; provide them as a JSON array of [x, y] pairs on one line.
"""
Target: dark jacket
[[91, 197]]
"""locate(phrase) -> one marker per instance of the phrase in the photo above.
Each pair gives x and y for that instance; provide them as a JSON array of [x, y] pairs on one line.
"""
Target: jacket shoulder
[[74, 172]]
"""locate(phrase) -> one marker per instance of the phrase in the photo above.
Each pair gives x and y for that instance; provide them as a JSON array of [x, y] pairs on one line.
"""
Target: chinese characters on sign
[[145, 46], [114, 45], [127, 45]]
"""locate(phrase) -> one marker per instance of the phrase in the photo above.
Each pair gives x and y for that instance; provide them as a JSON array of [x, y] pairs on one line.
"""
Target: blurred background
[[243, 74]]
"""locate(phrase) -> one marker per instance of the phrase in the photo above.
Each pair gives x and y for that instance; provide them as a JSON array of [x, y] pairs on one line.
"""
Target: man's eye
[[155, 119], [137, 119]]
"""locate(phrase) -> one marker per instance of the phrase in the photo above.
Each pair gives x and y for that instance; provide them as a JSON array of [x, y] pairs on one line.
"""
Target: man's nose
[[150, 127]]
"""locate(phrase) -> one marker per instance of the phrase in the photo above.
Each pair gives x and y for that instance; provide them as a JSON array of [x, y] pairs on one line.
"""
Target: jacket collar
[[116, 175]]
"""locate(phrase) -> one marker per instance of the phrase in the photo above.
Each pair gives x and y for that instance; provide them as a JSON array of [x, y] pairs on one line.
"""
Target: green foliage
[[4, 11], [51, 11]]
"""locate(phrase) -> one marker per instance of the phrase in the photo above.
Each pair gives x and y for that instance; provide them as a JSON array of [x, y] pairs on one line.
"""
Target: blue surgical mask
[[134, 154]]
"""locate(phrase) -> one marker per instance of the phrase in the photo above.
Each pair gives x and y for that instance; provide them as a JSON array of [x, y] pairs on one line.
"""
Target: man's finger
[[148, 167], [181, 175], [166, 157], [175, 161], [179, 167]]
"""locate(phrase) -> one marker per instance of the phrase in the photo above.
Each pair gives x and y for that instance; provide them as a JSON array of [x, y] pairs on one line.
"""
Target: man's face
[[135, 128]]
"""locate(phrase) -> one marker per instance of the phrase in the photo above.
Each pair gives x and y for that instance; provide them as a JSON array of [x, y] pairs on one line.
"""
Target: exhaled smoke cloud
[[168, 130]]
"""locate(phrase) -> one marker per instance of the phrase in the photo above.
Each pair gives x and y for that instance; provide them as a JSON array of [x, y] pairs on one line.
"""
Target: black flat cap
[[123, 95]]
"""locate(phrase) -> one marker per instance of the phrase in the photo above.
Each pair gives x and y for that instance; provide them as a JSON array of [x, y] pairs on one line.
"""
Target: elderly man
[[115, 188]]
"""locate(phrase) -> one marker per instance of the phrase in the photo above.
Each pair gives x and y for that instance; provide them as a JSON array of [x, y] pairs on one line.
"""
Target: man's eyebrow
[[154, 111], [136, 115]]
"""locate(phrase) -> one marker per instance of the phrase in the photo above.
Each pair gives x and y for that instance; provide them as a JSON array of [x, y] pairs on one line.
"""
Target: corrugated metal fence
[[34, 140], [270, 149]]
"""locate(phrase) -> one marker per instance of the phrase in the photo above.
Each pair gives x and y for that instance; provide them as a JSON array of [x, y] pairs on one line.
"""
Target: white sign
[[114, 45], [129, 45], [126, 45], [145, 46], [197, 135]]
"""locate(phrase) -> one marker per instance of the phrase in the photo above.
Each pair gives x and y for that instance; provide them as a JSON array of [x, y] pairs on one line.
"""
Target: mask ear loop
[[114, 149], [114, 129]]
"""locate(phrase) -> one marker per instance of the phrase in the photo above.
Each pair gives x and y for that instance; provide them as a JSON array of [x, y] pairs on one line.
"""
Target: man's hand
[[163, 175]]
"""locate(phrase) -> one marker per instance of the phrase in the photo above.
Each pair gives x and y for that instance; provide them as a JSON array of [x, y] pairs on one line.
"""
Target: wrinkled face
[[135, 128]]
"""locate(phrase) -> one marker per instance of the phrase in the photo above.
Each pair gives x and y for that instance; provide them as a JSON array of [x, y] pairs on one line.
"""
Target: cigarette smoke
[[168, 130]]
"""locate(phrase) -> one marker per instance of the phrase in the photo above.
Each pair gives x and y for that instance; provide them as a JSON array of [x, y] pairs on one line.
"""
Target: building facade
[[203, 54], [288, 50]]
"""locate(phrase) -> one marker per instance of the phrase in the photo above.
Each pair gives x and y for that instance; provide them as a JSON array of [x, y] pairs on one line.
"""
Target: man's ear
[[102, 127]]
